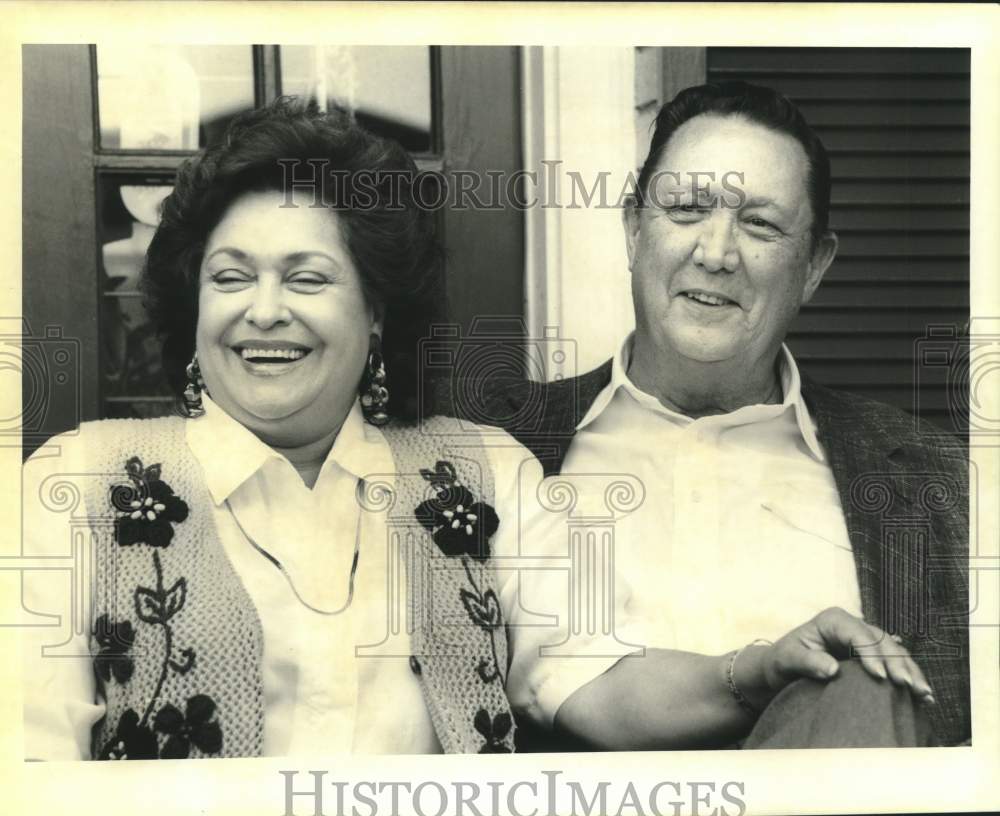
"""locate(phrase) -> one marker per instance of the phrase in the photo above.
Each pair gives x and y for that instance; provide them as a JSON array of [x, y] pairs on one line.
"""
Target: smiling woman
[[265, 207], [248, 555], [284, 320]]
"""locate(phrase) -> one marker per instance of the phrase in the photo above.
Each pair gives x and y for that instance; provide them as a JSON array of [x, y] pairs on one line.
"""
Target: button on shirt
[[319, 697], [741, 534]]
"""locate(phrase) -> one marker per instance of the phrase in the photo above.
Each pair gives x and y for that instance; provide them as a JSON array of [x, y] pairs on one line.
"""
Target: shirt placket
[[698, 507], [330, 692]]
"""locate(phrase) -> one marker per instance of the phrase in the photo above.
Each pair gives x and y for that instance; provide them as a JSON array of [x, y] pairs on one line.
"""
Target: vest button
[[415, 665]]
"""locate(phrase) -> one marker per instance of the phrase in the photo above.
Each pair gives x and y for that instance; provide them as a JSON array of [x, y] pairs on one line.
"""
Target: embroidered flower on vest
[[131, 740], [458, 523], [115, 640], [147, 510], [461, 527], [494, 731], [195, 726]]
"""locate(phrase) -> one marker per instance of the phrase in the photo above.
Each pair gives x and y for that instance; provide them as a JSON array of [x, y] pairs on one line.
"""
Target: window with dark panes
[[387, 88]]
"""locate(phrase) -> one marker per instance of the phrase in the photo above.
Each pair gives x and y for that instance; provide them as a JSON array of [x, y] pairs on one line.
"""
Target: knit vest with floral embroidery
[[176, 640]]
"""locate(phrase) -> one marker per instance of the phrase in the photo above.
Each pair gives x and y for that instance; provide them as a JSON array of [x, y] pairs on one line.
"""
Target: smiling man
[[782, 607], [716, 282]]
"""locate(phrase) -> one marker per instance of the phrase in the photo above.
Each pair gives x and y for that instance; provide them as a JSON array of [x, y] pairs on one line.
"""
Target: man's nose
[[717, 249], [268, 308]]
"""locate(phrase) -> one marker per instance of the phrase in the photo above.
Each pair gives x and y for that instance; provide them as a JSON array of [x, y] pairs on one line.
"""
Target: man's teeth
[[712, 300], [272, 354]]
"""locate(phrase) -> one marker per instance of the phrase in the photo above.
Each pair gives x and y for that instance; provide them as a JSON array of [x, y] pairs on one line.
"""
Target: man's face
[[721, 262]]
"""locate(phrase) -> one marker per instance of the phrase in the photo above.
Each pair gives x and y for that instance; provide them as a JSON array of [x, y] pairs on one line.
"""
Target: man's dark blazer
[[904, 490]]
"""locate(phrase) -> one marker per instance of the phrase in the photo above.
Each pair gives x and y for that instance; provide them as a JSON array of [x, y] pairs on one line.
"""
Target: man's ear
[[822, 257], [630, 222]]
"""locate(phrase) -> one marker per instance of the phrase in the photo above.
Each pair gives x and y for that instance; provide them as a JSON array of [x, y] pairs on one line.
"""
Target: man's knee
[[852, 678], [853, 709]]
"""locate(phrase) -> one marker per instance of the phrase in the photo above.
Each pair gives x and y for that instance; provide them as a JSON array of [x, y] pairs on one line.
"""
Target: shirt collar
[[619, 379], [360, 449], [791, 385], [230, 453]]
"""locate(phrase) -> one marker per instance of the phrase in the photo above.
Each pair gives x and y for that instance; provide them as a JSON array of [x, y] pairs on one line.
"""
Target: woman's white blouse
[[320, 696]]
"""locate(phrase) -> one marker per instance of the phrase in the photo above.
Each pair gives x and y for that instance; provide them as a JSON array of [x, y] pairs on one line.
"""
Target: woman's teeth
[[711, 300], [250, 354]]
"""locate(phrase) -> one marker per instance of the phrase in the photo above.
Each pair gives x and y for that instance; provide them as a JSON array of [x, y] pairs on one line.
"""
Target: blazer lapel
[[859, 456], [549, 413]]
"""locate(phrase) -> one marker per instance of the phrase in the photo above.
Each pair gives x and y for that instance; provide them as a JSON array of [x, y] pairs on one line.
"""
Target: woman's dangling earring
[[374, 394], [195, 385]]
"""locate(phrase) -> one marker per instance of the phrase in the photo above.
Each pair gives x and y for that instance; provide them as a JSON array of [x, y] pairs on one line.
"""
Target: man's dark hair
[[762, 105], [366, 179]]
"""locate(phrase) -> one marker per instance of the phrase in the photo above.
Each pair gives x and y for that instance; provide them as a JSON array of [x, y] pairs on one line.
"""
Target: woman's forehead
[[277, 223]]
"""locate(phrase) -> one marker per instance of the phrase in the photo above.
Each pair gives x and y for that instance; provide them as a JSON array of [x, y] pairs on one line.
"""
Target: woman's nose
[[268, 308], [717, 249]]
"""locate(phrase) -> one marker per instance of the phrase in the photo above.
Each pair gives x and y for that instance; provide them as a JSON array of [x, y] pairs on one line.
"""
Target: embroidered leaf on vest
[[115, 640], [147, 510], [131, 740], [159, 605], [443, 475], [493, 730], [484, 610], [195, 726]]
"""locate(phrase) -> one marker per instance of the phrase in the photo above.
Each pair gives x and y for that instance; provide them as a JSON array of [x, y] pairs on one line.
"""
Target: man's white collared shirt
[[741, 533]]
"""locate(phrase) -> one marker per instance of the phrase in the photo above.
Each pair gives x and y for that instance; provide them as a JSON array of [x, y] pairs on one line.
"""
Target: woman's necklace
[[354, 562]]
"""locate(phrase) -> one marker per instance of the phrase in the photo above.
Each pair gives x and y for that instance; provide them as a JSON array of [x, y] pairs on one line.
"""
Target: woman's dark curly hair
[[366, 179]]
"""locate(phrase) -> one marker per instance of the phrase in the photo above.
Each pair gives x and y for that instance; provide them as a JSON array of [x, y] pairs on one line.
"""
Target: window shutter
[[895, 122]]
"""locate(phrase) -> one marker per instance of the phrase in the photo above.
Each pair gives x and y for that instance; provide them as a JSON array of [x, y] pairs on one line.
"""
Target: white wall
[[579, 109]]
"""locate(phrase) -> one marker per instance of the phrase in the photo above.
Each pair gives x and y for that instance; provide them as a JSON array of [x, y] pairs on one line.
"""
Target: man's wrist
[[749, 677]]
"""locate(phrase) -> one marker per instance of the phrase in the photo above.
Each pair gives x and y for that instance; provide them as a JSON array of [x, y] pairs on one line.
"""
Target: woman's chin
[[275, 411], [263, 410]]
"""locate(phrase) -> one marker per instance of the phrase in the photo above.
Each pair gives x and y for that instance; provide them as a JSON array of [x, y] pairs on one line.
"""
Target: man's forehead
[[718, 145], [732, 161]]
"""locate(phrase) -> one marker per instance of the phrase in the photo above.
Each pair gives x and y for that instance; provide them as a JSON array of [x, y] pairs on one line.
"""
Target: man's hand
[[670, 699], [813, 650]]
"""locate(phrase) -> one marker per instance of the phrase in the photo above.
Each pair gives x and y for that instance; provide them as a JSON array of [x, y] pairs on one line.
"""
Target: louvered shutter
[[896, 124]]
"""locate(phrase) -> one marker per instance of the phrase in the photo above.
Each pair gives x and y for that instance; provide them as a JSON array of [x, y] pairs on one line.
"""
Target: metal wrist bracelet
[[744, 703]]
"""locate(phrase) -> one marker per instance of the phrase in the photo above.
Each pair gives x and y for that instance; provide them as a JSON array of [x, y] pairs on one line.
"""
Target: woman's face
[[283, 323]]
